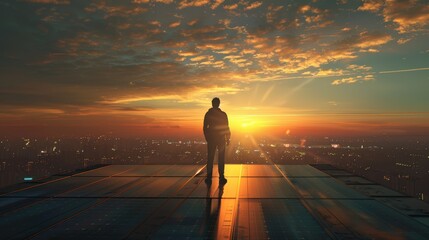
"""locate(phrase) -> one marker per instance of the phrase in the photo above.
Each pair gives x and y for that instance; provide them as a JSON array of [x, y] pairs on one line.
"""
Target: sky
[[152, 66]]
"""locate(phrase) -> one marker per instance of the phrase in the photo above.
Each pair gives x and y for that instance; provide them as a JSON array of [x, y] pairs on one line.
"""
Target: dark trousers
[[212, 145]]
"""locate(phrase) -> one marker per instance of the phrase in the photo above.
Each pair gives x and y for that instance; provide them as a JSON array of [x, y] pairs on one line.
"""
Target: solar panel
[[301, 171], [371, 219], [323, 188], [29, 220], [266, 188], [165, 202], [276, 219], [112, 219]]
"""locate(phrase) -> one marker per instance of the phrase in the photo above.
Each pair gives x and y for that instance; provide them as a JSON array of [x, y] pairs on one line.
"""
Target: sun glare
[[248, 124], [244, 124]]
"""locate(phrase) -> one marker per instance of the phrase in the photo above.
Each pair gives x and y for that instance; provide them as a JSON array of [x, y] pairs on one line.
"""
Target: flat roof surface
[[173, 202]]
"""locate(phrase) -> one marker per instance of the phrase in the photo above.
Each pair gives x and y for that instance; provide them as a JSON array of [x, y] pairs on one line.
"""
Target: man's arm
[[205, 126]]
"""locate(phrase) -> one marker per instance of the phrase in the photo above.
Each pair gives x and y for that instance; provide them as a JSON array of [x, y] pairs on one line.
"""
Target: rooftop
[[172, 201]]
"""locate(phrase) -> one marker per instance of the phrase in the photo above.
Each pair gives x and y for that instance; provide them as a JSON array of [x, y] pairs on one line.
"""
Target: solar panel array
[[166, 202]]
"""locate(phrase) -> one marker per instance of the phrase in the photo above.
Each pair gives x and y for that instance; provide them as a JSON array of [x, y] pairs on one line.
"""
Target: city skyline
[[151, 67]]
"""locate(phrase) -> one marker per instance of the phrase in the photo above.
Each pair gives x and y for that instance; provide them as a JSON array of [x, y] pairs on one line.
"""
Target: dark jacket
[[216, 125]]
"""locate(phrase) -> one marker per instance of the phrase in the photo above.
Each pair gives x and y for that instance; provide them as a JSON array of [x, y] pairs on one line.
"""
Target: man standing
[[217, 134]]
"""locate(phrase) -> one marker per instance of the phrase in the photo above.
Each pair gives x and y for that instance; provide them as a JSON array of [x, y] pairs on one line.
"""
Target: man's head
[[216, 102]]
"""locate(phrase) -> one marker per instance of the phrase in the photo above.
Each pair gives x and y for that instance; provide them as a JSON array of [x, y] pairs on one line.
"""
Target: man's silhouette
[[217, 134]]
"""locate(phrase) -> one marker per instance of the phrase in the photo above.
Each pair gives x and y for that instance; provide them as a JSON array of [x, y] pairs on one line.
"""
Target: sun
[[248, 124]]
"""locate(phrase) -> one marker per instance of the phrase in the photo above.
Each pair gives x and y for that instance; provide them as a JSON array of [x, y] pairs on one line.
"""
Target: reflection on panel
[[27, 221], [266, 188], [260, 171], [106, 171], [229, 190], [301, 171], [276, 219], [198, 219], [323, 188], [113, 219], [371, 219], [231, 170]]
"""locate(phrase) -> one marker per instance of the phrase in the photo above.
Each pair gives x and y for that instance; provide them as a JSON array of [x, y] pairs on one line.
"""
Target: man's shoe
[[208, 181], [222, 181]]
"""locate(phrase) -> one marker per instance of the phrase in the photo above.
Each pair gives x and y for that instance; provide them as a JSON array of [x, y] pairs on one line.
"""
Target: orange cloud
[[116, 10], [216, 4], [355, 67], [200, 58], [174, 24], [231, 7], [193, 3], [351, 80], [192, 22], [253, 6], [164, 1], [187, 53], [408, 15], [371, 5], [365, 40]]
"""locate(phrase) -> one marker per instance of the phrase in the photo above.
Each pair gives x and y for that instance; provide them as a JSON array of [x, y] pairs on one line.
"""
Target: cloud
[[364, 42], [155, 23], [190, 97], [201, 58], [115, 10], [109, 54], [192, 22], [253, 6], [407, 15], [216, 4], [367, 40], [231, 7], [193, 3], [187, 53], [329, 72], [351, 80], [403, 40], [355, 67], [344, 80], [371, 5], [174, 24], [313, 15], [164, 1]]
